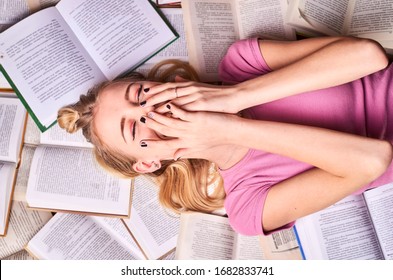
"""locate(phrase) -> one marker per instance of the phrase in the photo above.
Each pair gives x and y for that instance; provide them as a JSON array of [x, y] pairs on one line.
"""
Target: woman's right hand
[[193, 96]]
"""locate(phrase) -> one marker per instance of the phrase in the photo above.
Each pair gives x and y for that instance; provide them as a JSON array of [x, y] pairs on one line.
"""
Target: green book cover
[[160, 23]]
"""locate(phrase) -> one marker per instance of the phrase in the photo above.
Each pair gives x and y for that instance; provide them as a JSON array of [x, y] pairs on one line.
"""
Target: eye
[[133, 131], [138, 93]]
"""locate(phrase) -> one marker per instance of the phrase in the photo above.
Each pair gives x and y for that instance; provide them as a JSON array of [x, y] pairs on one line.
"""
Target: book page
[[154, 228], [13, 11], [4, 85], [119, 35], [163, 2], [77, 237], [342, 231], [55, 136], [361, 18], [210, 29], [47, 64], [118, 228], [59, 137], [23, 173], [248, 248], [41, 4], [23, 225], [7, 174], [70, 179], [372, 19], [32, 133], [22, 255], [205, 236], [328, 17], [263, 19], [169, 256], [295, 18], [177, 50], [7, 94], [281, 245], [12, 119], [380, 205]]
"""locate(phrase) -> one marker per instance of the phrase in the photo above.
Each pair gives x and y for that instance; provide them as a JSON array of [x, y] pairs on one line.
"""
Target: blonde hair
[[185, 184]]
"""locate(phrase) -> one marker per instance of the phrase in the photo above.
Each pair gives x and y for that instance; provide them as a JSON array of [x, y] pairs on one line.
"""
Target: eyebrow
[[127, 93], [123, 119]]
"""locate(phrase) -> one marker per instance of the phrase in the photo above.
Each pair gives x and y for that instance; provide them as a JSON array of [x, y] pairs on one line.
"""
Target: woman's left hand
[[193, 96]]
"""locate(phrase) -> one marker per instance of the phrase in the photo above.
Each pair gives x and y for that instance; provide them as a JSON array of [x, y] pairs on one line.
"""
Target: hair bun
[[68, 119]]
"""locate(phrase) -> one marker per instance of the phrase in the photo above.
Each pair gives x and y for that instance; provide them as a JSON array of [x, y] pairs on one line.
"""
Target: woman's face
[[117, 122]]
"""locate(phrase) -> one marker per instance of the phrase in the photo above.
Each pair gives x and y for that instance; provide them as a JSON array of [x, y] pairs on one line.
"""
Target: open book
[[150, 233], [80, 237], [22, 255], [207, 236], [168, 2], [23, 225], [53, 56], [13, 11], [177, 50], [369, 19], [357, 227], [12, 122], [64, 176], [4, 85], [213, 25], [154, 228]]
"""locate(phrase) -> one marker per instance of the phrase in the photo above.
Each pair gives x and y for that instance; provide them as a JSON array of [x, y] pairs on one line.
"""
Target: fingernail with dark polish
[[143, 119], [143, 103], [143, 144], [146, 89]]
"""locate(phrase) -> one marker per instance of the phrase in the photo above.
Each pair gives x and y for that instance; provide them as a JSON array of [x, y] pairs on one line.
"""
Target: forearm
[[340, 154], [336, 63]]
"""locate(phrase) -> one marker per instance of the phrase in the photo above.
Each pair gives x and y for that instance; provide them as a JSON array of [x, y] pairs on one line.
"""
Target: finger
[[164, 125], [161, 97], [160, 144], [179, 79], [166, 120], [163, 109], [169, 91], [179, 113], [163, 87], [159, 128], [179, 102]]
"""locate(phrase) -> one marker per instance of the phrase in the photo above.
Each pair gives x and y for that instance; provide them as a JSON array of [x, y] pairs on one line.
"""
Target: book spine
[[300, 243], [22, 99]]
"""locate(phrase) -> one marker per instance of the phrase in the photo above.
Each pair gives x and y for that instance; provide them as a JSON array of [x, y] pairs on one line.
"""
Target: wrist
[[246, 95], [235, 100], [230, 127]]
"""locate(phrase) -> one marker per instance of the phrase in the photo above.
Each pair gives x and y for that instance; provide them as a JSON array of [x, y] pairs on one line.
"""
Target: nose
[[146, 110]]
